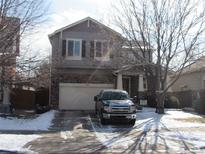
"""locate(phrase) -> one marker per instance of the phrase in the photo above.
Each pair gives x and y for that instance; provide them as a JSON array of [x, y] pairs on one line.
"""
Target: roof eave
[[82, 20]]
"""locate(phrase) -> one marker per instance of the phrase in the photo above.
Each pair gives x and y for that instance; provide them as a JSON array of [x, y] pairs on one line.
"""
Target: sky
[[62, 13]]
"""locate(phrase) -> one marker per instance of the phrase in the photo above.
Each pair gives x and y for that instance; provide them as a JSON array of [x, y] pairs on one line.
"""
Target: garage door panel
[[79, 96]]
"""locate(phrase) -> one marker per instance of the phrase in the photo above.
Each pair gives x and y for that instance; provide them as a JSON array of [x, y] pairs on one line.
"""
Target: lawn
[[14, 140], [174, 131]]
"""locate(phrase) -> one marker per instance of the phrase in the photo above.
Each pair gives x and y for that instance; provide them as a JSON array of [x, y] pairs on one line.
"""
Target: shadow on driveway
[[70, 133], [81, 132]]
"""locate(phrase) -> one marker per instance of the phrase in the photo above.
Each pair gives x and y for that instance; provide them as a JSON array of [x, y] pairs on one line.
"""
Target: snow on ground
[[108, 135], [16, 142], [42, 122], [149, 120], [197, 138], [13, 142], [153, 128]]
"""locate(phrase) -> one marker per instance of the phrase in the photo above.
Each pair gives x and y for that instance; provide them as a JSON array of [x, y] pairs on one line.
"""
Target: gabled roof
[[80, 21]]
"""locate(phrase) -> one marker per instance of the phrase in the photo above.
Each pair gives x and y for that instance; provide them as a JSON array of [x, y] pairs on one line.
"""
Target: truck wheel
[[103, 121], [132, 122], [96, 111]]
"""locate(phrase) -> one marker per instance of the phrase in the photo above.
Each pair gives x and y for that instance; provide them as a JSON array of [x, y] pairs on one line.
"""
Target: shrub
[[171, 102], [41, 109], [202, 94], [199, 106]]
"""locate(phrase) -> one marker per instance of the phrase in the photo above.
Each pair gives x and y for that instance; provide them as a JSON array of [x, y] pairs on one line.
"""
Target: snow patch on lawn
[[147, 119], [11, 142], [43, 122], [197, 139], [148, 128], [66, 135]]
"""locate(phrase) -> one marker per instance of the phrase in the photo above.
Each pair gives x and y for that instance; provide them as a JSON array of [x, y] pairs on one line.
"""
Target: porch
[[134, 82]]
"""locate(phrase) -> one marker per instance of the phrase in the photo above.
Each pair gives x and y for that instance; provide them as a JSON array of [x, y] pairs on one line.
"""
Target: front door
[[126, 84]]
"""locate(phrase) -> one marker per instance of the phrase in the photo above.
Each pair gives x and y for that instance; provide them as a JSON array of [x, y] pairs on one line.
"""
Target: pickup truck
[[115, 104]]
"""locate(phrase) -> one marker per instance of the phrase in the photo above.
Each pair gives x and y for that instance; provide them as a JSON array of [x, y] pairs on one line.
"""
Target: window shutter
[[105, 49], [111, 50], [83, 48], [111, 54], [64, 48], [92, 49]]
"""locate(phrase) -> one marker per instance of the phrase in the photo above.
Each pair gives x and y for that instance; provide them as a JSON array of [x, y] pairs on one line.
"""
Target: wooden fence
[[27, 99], [187, 97]]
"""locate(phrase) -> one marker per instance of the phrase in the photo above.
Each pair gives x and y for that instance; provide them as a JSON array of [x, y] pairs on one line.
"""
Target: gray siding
[[82, 31], [193, 81]]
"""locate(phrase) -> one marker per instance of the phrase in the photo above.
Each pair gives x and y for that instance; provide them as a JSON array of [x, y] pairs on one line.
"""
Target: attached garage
[[79, 96]]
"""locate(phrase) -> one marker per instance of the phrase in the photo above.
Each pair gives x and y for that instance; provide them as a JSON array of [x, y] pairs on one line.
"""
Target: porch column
[[119, 81], [140, 85], [6, 98], [143, 100]]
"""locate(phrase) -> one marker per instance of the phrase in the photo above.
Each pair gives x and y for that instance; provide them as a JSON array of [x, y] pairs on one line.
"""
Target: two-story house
[[87, 57]]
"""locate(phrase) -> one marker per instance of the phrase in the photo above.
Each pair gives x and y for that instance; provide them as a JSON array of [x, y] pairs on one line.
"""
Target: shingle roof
[[198, 65], [80, 21]]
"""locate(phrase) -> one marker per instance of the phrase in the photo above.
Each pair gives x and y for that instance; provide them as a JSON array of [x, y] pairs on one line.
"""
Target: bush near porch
[[199, 103], [199, 106], [171, 101]]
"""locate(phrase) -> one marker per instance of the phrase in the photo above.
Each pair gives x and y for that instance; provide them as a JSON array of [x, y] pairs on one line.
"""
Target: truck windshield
[[115, 96]]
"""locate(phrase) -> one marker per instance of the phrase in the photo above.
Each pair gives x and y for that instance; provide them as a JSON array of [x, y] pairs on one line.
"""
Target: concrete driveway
[[81, 132], [71, 132]]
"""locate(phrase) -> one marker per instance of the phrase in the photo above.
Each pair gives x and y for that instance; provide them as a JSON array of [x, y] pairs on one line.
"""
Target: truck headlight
[[106, 108], [132, 108]]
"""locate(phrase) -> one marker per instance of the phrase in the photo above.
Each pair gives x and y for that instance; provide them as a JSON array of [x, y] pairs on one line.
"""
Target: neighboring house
[[192, 77], [87, 57], [9, 50]]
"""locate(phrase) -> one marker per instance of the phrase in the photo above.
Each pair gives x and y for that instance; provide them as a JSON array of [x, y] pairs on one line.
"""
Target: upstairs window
[[74, 49], [101, 50]]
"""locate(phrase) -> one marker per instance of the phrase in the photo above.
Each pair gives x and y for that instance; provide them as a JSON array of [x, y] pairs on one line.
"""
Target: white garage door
[[77, 96]]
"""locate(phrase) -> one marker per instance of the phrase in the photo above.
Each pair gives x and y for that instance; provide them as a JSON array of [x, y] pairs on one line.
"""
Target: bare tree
[[16, 18], [41, 78], [167, 35], [27, 68]]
